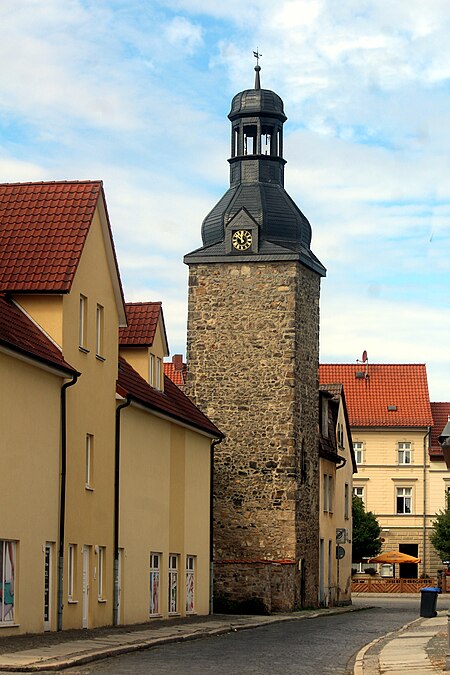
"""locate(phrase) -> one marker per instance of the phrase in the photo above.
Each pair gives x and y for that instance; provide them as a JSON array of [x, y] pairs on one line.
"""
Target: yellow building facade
[[400, 478], [337, 465], [81, 493]]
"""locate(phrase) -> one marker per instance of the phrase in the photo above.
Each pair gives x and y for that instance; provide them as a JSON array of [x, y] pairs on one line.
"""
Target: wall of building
[[91, 410], [380, 475], [164, 509], [252, 355], [29, 497]]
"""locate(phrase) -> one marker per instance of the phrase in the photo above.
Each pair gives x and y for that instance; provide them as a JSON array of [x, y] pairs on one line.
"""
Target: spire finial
[[257, 56]]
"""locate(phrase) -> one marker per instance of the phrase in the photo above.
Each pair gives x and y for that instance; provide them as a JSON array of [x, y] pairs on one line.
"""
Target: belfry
[[252, 354]]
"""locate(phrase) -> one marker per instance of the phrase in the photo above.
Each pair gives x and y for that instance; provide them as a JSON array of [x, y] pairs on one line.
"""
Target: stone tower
[[252, 354]]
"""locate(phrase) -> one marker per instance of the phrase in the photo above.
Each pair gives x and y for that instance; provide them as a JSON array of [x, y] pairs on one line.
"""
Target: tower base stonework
[[252, 355]]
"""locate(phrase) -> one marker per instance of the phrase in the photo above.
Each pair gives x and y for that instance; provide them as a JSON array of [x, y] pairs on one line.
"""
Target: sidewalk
[[419, 648], [57, 651]]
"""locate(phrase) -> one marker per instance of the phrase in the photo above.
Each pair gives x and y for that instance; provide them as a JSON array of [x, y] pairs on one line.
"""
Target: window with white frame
[[173, 584], [71, 567], [190, 584], [99, 328], [404, 499], [155, 584], [7, 580], [358, 491], [89, 461], [82, 328], [340, 434], [358, 450], [101, 571], [404, 453]]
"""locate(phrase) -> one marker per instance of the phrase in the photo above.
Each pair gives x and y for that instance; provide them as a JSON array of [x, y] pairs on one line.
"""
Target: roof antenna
[[364, 360], [257, 56]]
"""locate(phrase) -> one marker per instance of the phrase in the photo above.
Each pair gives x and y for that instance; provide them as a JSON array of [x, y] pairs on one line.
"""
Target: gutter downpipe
[[214, 442], [120, 407], [424, 542], [62, 497]]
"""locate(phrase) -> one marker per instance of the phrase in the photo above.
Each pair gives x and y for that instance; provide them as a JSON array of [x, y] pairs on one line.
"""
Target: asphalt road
[[318, 646]]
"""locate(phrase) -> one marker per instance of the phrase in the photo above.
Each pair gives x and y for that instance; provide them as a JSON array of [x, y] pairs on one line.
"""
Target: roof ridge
[[144, 302], [56, 182]]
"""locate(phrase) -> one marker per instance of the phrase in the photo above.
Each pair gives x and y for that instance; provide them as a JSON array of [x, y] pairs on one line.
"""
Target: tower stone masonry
[[252, 355]]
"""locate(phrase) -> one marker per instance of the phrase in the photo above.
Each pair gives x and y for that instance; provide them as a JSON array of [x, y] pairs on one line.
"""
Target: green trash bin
[[428, 600]]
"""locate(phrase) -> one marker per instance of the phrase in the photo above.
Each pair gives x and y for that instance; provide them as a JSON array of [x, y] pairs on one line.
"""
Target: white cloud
[[183, 34]]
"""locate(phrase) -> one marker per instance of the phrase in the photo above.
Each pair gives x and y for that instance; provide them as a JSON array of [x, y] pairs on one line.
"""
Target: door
[[409, 570], [48, 587], [85, 586]]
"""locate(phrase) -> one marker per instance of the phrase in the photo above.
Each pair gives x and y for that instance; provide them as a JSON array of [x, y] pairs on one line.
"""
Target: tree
[[440, 537], [366, 532]]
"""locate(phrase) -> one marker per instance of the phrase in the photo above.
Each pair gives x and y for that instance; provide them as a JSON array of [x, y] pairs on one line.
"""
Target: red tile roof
[[176, 370], [171, 402], [142, 318], [43, 228], [20, 334], [441, 415], [401, 387]]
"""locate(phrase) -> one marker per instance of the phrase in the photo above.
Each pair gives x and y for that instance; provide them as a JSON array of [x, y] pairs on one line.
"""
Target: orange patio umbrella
[[394, 557]]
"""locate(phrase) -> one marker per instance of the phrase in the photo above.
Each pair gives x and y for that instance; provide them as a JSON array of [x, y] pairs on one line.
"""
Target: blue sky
[[137, 92]]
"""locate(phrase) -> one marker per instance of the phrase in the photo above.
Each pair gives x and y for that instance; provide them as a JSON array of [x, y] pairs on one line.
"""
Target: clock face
[[241, 240]]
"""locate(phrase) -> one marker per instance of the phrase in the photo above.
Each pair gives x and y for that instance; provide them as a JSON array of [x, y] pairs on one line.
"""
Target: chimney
[[177, 360]]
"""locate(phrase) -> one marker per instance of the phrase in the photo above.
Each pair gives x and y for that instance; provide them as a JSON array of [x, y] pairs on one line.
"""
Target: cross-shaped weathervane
[[257, 56]]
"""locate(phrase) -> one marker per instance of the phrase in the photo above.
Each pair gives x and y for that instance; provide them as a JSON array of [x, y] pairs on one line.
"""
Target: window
[[190, 584], [71, 567], [151, 370], [404, 453], [158, 373], [358, 450], [404, 500], [89, 460], [101, 565], [358, 491], [325, 492], [346, 500], [250, 140], [340, 434], [99, 331], [173, 584], [330, 494], [83, 322], [155, 588], [7, 580]]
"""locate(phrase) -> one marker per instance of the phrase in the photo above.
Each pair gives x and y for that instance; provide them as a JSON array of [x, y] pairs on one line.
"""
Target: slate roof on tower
[[381, 394], [43, 229], [257, 187]]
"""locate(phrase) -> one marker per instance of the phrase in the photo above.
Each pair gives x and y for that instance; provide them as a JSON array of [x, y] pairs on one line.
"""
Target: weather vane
[[257, 56]]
